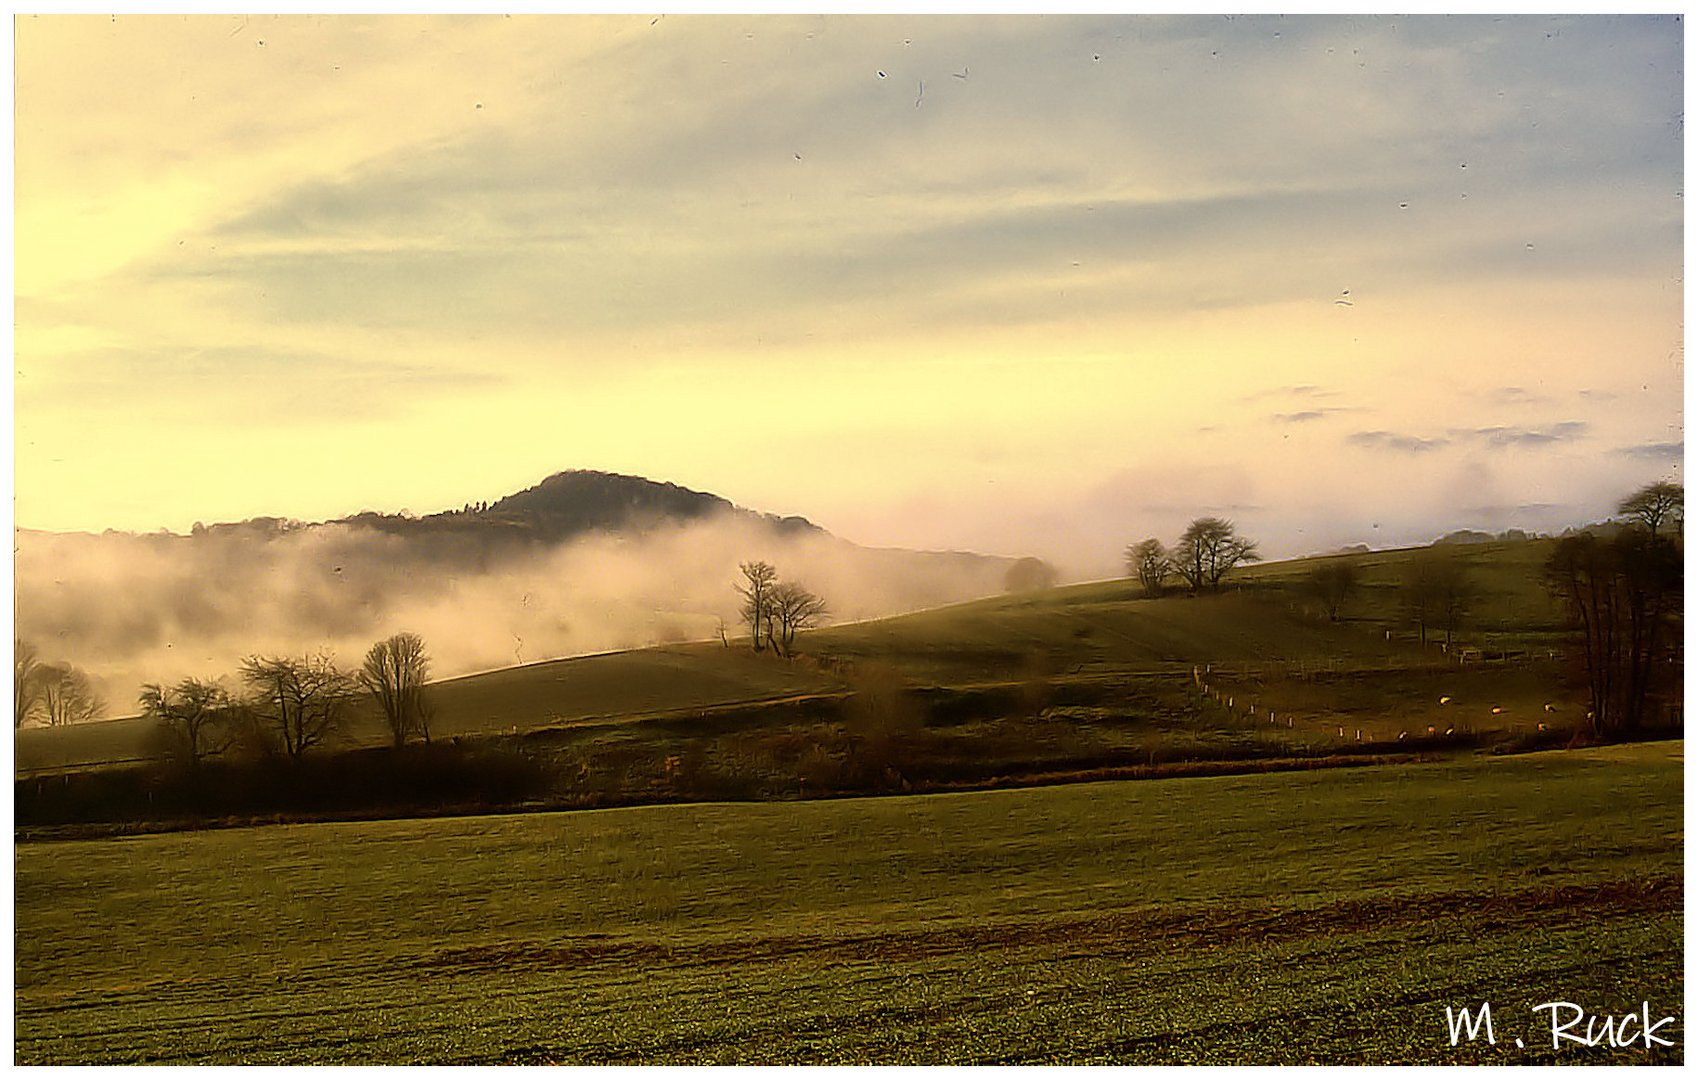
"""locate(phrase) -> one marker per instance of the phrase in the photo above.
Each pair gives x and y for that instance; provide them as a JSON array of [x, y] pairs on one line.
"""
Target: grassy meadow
[[1289, 917]]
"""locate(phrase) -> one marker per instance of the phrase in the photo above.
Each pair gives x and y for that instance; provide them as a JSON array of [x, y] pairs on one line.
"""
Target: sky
[[1020, 285]]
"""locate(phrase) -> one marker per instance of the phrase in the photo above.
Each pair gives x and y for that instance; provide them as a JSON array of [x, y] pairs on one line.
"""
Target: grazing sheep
[[1445, 700]]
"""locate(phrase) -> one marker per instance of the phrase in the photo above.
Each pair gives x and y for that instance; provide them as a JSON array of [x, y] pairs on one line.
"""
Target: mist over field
[[133, 609]]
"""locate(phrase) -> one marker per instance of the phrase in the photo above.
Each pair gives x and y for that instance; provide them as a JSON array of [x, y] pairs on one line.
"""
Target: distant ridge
[[579, 500], [573, 502]]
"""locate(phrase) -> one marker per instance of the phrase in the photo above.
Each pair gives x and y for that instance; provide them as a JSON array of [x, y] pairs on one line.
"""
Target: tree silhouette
[[394, 673], [26, 682], [1437, 593], [1654, 504], [198, 716], [302, 701], [1148, 561], [757, 600], [1029, 574], [1623, 596], [1208, 549], [794, 608], [67, 696], [1332, 583]]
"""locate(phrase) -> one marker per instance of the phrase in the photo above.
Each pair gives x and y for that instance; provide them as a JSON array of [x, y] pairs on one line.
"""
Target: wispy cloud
[[1655, 451], [1390, 440], [1300, 393], [1307, 416], [1498, 436], [265, 387]]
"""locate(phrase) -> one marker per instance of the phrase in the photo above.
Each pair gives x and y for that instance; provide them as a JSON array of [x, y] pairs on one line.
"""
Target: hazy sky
[[1015, 284]]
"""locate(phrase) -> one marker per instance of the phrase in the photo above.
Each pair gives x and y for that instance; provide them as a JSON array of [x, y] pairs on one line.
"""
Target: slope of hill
[[582, 562], [1077, 682]]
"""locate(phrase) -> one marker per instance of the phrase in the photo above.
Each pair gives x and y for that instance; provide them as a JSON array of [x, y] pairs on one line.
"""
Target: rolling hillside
[[1076, 682], [1079, 633]]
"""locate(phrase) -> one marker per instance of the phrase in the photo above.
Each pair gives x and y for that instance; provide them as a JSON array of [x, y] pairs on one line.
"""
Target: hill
[[582, 562], [565, 506], [1079, 682]]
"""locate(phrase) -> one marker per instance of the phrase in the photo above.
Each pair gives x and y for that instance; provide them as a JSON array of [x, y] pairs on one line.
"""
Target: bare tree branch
[[302, 700], [394, 673]]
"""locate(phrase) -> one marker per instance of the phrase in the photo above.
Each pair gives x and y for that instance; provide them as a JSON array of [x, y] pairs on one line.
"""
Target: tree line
[[281, 703], [53, 694]]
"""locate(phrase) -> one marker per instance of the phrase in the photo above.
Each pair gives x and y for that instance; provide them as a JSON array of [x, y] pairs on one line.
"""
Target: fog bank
[[135, 609]]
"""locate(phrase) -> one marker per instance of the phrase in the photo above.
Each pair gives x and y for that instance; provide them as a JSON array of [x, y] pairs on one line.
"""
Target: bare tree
[[1437, 593], [395, 671], [1654, 504], [1623, 595], [67, 696], [757, 600], [794, 608], [1209, 549], [1332, 583], [1148, 561], [1029, 574], [26, 682], [198, 716], [302, 700]]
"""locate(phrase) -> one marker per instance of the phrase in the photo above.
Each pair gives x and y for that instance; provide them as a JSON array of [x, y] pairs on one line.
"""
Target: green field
[[1292, 917]]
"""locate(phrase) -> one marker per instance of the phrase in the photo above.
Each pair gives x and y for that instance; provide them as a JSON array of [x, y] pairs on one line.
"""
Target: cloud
[[718, 207], [1655, 451], [265, 386], [156, 608], [1300, 393], [1499, 510], [1306, 416], [1387, 440], [1497, 436], [556, 242]]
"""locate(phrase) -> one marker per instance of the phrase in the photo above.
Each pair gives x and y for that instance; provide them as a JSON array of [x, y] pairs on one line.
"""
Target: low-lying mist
[[132, 609]]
